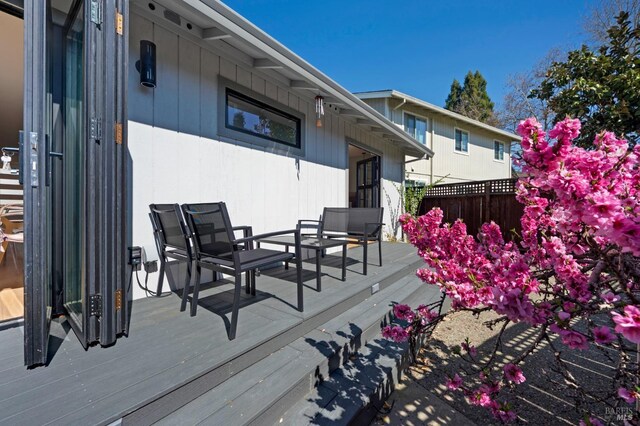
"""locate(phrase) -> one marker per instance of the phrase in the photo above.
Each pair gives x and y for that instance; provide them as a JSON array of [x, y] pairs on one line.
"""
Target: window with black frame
[[247, 115]]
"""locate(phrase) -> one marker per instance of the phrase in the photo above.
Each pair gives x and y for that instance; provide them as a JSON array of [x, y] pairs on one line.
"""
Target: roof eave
[[438, 110], [235, 24]]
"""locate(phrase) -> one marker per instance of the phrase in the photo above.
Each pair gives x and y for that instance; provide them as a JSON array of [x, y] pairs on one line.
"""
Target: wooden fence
[[476, 203]]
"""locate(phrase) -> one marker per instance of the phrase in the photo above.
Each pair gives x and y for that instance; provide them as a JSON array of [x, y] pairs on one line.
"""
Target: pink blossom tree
[[573, 276]]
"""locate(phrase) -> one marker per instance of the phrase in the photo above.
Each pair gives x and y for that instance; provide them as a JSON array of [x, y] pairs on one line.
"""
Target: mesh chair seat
[[251, 259]]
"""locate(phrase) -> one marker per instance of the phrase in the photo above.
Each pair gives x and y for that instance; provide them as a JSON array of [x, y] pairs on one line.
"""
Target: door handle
[[51, 154]]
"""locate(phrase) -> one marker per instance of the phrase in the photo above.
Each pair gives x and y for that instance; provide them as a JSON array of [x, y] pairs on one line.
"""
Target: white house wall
[[177, 155]]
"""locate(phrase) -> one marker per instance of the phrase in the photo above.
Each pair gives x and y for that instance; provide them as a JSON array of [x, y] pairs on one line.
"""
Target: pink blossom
[[580, 206], [603, 335], [627, 395], [403, 312], [575, 340], [513, 373], [505, 416], [591, 421], [395, 333], [480, 398], [567, 129], [454, 382], [427, 314], [609, 297], [629, 323], [471, 350]]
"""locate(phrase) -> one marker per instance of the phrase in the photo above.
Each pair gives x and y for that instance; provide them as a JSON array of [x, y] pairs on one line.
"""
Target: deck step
[[354, 391], [301, 381]]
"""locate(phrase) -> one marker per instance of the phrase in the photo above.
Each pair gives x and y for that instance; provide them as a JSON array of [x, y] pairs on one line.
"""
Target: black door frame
[[108, 309], [374, 186], [32, 158]]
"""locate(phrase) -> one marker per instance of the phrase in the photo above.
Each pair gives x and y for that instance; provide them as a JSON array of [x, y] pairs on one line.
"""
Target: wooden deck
[[171, 358]]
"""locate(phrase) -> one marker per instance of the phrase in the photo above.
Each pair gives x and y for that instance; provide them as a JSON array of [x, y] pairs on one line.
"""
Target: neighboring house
[[465, 149], [230, 116]]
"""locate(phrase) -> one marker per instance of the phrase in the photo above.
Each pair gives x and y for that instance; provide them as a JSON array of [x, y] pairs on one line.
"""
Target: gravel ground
[[422, 399]]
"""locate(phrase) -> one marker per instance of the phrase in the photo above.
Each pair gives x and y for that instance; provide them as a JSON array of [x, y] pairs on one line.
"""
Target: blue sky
[[419, 46]]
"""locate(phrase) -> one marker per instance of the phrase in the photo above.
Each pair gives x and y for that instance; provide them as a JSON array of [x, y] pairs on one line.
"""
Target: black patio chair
[[172, 240], [217, 249], [171, 237], [360, 225]]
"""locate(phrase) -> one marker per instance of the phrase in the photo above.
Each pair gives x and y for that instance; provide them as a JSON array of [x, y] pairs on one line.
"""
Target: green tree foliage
[[601, 87], [472, 99], [453, 100]]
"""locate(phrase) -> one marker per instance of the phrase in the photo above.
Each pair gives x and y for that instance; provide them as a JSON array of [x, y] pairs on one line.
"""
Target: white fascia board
[[228, 20]]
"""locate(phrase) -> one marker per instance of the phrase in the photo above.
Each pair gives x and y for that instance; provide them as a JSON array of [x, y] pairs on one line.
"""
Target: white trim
[[494, 151], [468, 141]]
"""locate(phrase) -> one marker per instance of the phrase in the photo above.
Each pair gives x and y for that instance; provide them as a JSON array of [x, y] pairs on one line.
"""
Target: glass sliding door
[[74, 171], [368, 182]]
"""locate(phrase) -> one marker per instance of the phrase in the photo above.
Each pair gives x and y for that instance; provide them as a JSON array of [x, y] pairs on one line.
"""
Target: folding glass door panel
[[368, 182], [37, 194], [82, 163], [74, 171]]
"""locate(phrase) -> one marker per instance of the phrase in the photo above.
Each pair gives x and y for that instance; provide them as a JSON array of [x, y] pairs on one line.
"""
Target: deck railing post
[[486, 207]]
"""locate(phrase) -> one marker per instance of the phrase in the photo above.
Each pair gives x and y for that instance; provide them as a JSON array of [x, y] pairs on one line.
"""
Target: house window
[[498, 151], [416, 127], [462, 141], [247, 115]]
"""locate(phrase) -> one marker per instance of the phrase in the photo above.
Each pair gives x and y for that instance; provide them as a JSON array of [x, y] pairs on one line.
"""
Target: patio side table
[[316, 244]]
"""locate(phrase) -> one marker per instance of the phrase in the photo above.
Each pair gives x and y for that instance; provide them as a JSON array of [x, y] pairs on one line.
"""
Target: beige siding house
[[465, 149]]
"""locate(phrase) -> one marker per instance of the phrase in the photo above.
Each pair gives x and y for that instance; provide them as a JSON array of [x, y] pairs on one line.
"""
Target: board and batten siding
[[477, 164], [177, 155]]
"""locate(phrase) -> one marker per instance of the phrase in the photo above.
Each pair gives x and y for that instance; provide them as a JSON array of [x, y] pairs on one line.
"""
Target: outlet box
[[150, 266], [375, 288]]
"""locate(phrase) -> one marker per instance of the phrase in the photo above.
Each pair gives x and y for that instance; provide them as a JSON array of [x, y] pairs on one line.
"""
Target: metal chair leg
[[380, 250], [236, 307], [160, 279], [253, 283], [344, 262], [196, 290], [364, 260], [299, 282], [185, 290], [247, 282], [318, 272]]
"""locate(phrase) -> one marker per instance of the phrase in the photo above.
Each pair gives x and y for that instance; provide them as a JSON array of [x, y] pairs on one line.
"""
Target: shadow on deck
[[168, 352]]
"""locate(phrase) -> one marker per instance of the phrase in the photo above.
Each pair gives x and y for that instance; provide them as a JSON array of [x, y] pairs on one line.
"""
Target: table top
[[305, 242]]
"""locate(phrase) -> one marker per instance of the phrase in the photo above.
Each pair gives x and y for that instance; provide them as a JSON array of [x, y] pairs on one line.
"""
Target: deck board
[[167, 348]]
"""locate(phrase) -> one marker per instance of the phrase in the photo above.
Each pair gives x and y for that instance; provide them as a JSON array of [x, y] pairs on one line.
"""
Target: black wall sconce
[[146, 66]]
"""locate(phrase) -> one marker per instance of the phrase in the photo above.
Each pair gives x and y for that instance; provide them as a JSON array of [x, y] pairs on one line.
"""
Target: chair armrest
[[247, 231], [310, 224], [267, 235], [308, 220], [374, 225]]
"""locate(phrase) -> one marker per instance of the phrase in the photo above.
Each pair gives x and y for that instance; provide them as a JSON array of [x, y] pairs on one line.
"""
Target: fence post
[[486, 207]]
